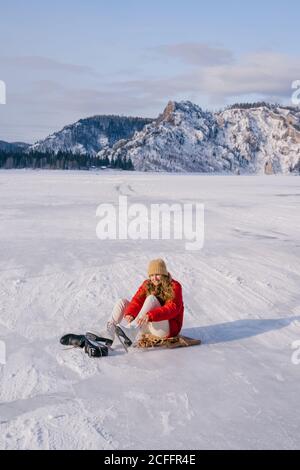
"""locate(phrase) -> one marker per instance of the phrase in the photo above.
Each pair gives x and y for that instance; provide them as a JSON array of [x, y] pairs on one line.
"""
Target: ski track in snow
[[241, 293]]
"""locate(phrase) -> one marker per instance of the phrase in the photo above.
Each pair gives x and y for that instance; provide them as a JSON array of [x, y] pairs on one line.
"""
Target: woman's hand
[[129, 318], [143, 320]]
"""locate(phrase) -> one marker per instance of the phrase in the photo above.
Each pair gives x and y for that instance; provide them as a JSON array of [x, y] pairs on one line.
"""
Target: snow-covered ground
[[240, 389]]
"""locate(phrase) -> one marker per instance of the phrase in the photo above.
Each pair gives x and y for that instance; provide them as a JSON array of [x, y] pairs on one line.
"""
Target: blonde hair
[[163, 291]]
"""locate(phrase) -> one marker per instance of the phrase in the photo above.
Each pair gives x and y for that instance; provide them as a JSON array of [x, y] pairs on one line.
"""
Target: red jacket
[[172, 310]]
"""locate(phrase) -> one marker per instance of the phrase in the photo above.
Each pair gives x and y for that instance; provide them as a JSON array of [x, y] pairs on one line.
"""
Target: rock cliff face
[[258, 138]]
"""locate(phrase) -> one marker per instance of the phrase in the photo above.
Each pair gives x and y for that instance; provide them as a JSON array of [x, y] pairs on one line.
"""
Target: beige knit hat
[[157, 266]]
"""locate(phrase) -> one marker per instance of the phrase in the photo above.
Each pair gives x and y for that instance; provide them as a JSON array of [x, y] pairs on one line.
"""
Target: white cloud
[[200, 54], [265, 73], [50, 104], [45, 64]]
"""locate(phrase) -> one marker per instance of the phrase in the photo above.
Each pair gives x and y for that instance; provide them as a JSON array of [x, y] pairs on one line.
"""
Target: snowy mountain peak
[[90, 135], [243, 138], [176, 112], [257, 138]]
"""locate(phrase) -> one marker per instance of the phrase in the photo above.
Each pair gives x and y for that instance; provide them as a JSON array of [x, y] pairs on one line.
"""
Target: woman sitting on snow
[[156, 308]]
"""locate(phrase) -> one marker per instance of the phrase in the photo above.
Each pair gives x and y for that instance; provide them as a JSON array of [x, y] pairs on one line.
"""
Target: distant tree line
[[59, 161], [259, 104]]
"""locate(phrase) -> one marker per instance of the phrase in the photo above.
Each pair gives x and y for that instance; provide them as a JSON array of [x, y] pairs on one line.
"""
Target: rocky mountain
[[257, 138], [90, 135]]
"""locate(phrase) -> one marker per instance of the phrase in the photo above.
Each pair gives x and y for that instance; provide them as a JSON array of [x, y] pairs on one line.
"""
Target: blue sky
[[64, 60]]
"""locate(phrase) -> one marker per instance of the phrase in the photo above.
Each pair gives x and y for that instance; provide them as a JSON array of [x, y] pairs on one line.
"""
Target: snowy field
[[239, 390]]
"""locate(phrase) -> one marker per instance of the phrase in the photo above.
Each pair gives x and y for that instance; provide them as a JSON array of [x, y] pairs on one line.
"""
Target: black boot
[[101, 339], [70, 339], [95, 348]]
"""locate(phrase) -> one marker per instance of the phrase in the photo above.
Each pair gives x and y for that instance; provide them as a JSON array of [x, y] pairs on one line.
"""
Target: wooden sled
[[180, 341]]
